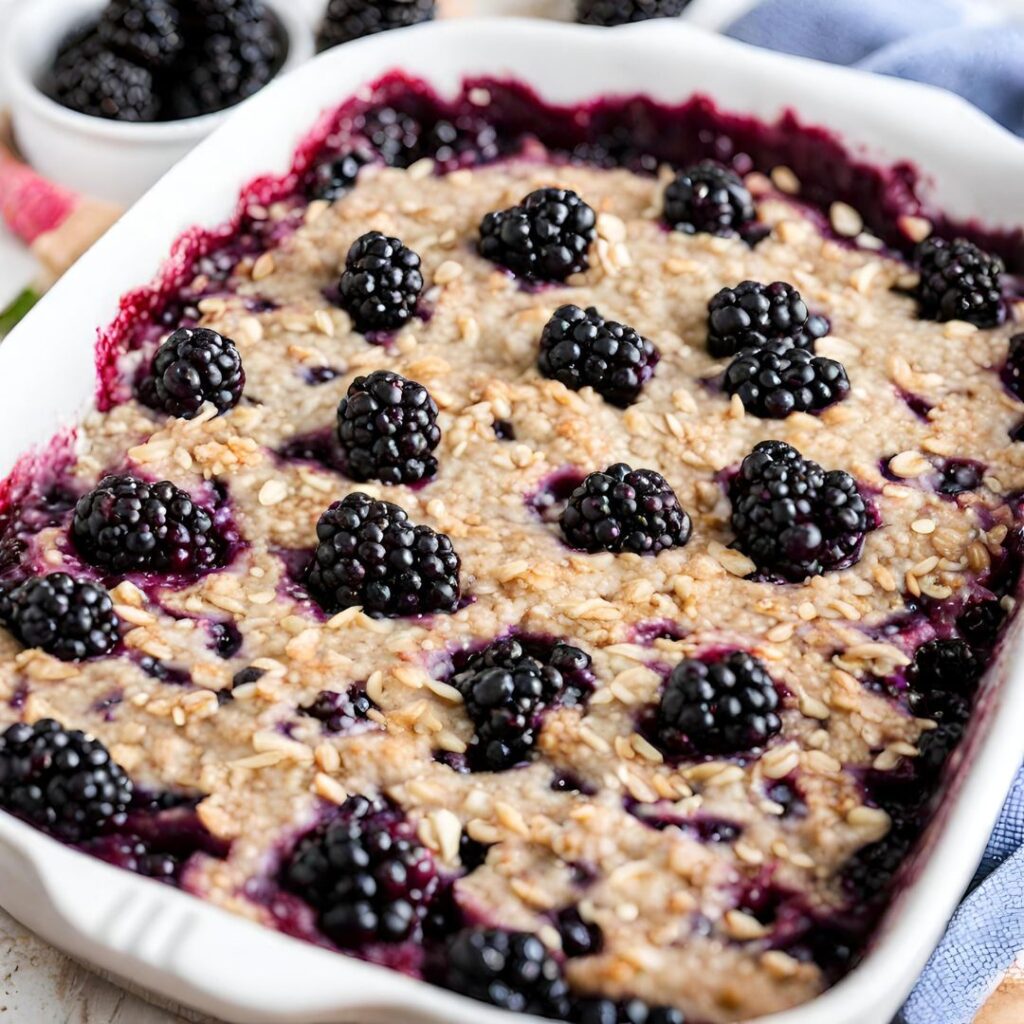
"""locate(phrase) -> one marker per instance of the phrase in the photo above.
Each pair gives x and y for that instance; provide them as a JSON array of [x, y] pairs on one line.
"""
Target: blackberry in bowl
[[345, 20], [708, 198], [168, 60], [61, 781], [107, 96]]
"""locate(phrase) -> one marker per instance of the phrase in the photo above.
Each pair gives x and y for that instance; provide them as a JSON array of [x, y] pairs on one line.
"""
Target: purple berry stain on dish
[[554, 491], [646, 633], [105, 707], [919, 406], [317, 375], [567, 782], [174, 675], [342, 712], [704, 827], [318, 447], [786, 793], [296, 563], [950, 477]]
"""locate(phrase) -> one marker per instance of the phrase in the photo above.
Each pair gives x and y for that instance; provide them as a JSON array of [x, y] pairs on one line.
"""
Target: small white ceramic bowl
[[113, 160]]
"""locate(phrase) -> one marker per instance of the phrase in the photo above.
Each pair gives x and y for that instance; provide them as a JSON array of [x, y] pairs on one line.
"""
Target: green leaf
[[11, 316]]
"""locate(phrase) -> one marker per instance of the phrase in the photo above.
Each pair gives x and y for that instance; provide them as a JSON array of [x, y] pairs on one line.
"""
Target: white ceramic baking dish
[[192, 952]]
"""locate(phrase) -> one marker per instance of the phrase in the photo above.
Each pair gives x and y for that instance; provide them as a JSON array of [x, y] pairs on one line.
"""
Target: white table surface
[[38, 984]]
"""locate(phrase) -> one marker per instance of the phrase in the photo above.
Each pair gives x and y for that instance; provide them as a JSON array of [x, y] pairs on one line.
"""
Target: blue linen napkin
[[947, 43], [943, 43], [986, 934]]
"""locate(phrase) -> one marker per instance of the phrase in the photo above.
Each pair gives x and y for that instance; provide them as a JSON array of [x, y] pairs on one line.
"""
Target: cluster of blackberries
[[625, 12], [345, 20], [163, 60]]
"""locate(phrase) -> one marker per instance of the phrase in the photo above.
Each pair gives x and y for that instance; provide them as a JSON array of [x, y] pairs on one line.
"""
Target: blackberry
[[546, 237], [233, 49], [68, 618], [959, 281], [579, 938], [340, 712], [193, 366], [947, 665], [128, 525], [466, 140], [365, 874], [979, 623], [792, 517], [393, 134], [958, 476], [144, 31], [623, 509], [753, 314], [779, 379], [92, 80], [369, 554], [333, 178], [632, 1011], [942, 680], [725, 706], [935, 746], [387, 426], [400, 139], [507, 688], [708, 198], [511, 970], [623, 12], [1013, 369], [581, 349], [220, 15], [345, 20], [132, 853], [61, 781], [381, 283]]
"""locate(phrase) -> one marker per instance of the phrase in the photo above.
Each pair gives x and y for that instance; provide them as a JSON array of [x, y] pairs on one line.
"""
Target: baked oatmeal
[[563, 577]]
